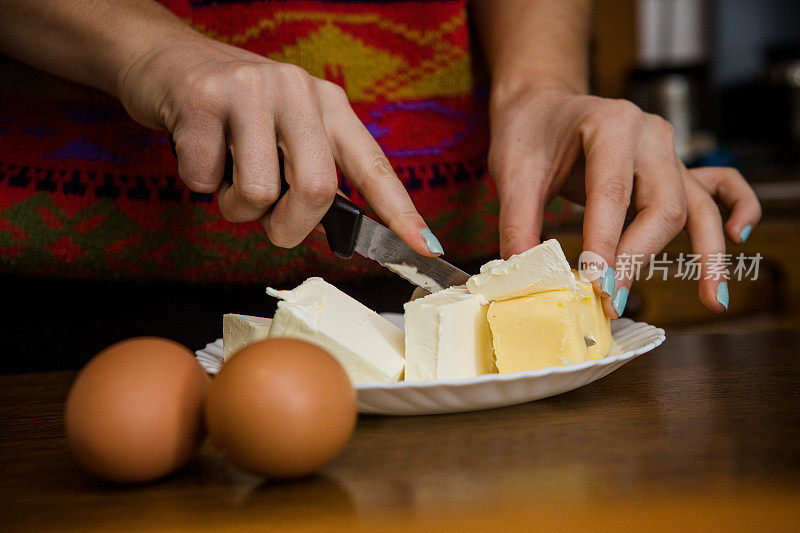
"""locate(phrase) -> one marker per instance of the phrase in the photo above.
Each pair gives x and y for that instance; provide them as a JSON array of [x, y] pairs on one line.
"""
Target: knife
[[348, 231], [381, 244]]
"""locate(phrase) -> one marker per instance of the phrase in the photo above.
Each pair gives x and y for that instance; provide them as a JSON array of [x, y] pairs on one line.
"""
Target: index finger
[[361, 159], [609, 184]]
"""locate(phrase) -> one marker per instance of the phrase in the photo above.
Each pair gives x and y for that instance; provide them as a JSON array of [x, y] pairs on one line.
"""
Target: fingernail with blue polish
[[433, 243], [745, 233], [620, 299], [722, 294], [608, 282]]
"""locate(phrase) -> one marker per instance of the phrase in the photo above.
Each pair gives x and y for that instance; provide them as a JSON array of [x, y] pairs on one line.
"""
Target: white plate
[[491, 390]]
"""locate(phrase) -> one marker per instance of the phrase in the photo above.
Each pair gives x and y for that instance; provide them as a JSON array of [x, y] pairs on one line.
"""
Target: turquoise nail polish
[[620, 299], [722, 294], [433, 243], [745, 233], [608, 282]]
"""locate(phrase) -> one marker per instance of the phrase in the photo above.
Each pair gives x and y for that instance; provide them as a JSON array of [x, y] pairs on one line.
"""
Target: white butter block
[[447, 336], [369, 347], [239, 331], [541, 268]]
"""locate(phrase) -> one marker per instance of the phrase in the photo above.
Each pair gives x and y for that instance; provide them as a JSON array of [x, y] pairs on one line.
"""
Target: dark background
[[60, 324]]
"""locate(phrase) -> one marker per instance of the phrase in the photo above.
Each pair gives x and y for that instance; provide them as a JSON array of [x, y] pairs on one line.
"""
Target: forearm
[[86, 41], [535, 44]]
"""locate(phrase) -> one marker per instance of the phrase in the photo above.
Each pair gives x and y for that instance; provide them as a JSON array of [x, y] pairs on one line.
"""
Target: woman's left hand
[[616, 160]]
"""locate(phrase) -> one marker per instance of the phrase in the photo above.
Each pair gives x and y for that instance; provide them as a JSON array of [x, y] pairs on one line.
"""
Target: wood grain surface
[[702, 433]]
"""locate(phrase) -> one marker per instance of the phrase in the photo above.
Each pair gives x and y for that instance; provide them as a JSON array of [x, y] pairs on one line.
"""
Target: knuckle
[[198, 179], [258, 194], [591, 124], [662, 128], [293, 74], [378, 166], [248, 76], [621, 114], [615, 192], [606, 245], [625, 108], [731, 174], [280, 240], [611, 114], [200, 184], [673, 213], [511, 230], [333, 92], [277, 234], [319, 192], [226, 214], [405, 217], [205, 94], [704, 203]]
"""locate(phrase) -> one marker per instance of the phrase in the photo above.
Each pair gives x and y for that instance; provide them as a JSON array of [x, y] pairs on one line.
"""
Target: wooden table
[[704, 431]]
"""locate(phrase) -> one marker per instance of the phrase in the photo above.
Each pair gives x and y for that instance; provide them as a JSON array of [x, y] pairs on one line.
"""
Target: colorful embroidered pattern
[[86, 192]]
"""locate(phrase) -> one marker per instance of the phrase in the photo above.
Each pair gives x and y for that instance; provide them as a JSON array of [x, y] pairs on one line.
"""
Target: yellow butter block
[[597, 325], [537, 331], [548, 329], [596, 322]]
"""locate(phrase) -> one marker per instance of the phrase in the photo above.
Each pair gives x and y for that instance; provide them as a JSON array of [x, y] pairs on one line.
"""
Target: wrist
[[147, 67], [106, 37], [150, 31], [506, 89]]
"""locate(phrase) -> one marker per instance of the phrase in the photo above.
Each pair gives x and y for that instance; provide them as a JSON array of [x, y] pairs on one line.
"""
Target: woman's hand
[[214, 97], [616, 160]]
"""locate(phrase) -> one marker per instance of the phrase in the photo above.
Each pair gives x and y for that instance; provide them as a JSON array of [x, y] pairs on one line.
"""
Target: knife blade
[[381, 244]]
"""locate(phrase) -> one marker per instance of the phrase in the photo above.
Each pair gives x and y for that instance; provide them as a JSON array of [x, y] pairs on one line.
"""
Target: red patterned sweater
[[85, 192]]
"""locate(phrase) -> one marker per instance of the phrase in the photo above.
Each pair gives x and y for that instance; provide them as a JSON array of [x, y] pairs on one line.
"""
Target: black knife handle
[[341, 222]]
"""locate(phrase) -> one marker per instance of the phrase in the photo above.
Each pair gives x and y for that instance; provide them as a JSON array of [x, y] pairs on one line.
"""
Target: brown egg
[[135, 411], [281, 408]]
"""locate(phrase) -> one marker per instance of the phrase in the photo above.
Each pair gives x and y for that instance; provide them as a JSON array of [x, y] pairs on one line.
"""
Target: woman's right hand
[[213, 97]]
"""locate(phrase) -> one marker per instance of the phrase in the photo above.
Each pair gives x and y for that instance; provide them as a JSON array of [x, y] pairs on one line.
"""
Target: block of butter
[[537, 331], [447, 336], [541, 268], [239, 331], [369, 347], [596, 323]]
